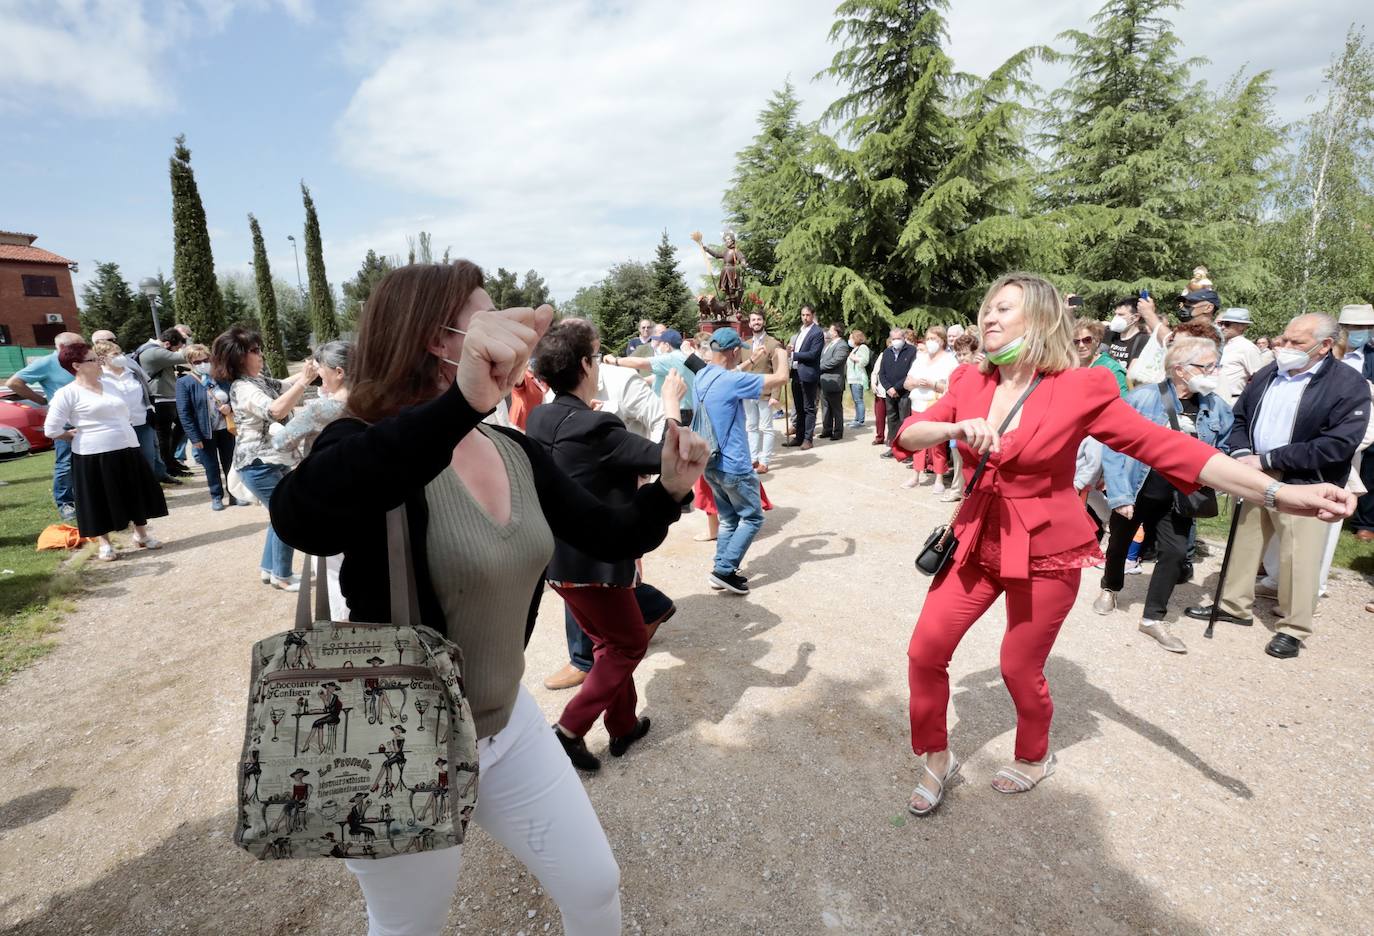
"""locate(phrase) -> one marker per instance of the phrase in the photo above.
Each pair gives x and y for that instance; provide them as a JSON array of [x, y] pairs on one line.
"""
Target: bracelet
[[1271, 495]]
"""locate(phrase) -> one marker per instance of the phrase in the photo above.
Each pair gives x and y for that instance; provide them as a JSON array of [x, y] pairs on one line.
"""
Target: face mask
[[1202, 384], [203, 369], [1185, 314], [1357, 339], [118, 361], [1008, 354], [852, 343], [1119, 324], [456, 331], [898, 343], [933, 347], [1290, 359]]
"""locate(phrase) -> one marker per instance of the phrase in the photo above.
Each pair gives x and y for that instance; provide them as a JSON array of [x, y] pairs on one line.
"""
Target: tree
[[669, 300], [357, 290], [268, 320], [235, 293], [507, 292], [322, 318], [616, 303], [199, 304], [294, 311], [107, 302], [1122, 134]]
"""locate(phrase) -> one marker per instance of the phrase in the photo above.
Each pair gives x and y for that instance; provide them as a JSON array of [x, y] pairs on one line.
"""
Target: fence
[[13, 359]]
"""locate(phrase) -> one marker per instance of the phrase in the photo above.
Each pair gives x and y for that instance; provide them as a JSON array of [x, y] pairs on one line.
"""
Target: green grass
[[32, 583], [1350, 552]]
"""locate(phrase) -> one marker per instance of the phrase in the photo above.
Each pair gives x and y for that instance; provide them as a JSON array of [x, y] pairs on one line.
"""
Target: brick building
[[37, 301]]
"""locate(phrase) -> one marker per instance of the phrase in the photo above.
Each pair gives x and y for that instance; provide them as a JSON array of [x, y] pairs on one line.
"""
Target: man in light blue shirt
[[47, 373], [668, 356], [721, 390]]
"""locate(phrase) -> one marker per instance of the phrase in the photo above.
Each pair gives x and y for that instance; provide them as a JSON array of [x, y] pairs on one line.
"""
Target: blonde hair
[[1049, 332], [197, 351], [938, 330], [1185, 348], [104, 350]]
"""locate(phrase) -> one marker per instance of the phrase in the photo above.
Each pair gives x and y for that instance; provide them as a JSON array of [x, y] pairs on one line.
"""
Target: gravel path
[[1217, 792]]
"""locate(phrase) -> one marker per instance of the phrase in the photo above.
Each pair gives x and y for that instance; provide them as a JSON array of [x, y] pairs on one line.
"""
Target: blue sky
[[562, 135]]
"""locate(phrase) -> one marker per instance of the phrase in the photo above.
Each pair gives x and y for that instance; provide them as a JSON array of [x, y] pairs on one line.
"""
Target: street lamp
[[152, 288], [292, 239]]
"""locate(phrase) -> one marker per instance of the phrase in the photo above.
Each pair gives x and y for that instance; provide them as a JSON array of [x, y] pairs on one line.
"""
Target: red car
[[27, 417]]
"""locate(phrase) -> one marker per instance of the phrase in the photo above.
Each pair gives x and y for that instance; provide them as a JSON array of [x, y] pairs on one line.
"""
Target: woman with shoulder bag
[[202, 416], [1139, 496], [483, 506], [1021, 529], [833, 358]]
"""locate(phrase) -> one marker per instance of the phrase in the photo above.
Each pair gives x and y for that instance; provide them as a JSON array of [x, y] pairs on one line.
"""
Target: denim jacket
[[1125, 476]]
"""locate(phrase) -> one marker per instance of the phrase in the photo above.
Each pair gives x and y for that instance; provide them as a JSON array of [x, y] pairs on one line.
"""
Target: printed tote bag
[[360, 742]]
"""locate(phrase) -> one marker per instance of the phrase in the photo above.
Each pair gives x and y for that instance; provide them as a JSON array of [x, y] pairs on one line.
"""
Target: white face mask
[[118, 361], [1119, 324], [203, 369], [1290, 359], [933, 347], [1203, 384], [898, 343]]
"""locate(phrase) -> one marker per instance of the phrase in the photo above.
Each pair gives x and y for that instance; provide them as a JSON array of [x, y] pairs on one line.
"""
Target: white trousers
[[531, 801], [758, 425]]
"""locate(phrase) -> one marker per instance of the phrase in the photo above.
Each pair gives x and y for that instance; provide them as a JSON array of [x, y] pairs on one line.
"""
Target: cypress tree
[[268, 319], [199, 304], [322, 318]]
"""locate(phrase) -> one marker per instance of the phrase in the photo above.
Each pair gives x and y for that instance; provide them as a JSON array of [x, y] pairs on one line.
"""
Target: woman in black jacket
[[483, 508], [596, 450]]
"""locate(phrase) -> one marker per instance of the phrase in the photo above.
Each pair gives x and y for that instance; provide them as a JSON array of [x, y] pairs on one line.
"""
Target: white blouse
[[932, 369], [128, 389], [101, 420]]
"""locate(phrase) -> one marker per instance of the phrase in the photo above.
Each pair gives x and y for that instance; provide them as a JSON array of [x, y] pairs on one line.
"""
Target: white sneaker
[[265, 576], [107, 554], [939, 485], [911, 482], [1133, 567], [292, 584], [148, 542]]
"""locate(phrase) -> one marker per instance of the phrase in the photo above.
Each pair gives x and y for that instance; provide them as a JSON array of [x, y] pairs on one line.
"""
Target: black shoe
[[174, 482], [791, 443], [887, 453], [576, 749], [1204, 613], [1282, 646], [1187, 574], [622, 744], [734, 582]]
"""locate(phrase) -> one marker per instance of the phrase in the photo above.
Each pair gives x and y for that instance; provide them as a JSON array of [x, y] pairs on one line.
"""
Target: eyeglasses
[[1205, 368]]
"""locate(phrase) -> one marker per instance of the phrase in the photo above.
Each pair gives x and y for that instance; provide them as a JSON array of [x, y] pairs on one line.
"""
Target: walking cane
[[1225, 563]]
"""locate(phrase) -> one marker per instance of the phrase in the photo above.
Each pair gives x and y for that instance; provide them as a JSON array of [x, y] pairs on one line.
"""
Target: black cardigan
[[336, 501], [599, 453]]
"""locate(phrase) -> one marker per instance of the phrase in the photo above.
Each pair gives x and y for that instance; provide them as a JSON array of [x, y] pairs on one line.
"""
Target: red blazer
[[1032, 477]]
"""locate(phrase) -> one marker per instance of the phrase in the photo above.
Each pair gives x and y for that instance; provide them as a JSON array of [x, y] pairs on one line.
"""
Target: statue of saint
[[730, 284]]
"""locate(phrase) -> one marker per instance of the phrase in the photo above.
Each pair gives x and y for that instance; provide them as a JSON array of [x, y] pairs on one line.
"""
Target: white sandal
[[934, 798], [107, 554], [1022, 782]]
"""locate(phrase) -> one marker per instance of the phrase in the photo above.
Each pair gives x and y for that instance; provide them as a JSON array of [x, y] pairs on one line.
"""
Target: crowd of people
[[529, 459]]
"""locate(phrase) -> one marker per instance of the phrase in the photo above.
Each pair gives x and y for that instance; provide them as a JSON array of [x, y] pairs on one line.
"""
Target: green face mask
[[1008, 354]]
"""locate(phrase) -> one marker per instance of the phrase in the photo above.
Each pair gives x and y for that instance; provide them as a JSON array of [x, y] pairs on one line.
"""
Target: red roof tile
[[31, 255]]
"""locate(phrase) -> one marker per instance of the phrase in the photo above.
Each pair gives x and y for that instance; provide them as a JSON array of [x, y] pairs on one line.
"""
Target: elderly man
[[51, 376], [1240, 358], [1301, 420], [645, 330], [668, 356], [1357, 322]]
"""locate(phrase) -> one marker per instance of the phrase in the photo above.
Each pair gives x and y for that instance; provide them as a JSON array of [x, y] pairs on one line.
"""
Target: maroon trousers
[[880, 417], [611, 618], [1036, 607]]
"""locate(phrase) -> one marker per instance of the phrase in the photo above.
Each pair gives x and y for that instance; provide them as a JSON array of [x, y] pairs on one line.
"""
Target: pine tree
[[237, 308], [322, 318], [533, 290], [107, 302], [1122, 136], [357, 290], [268, 320], [669, 300], [504, 289], [199, 304], [615, 304]]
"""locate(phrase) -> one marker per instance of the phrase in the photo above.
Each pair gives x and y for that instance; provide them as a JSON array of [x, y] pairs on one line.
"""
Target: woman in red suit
[[1022, 531]]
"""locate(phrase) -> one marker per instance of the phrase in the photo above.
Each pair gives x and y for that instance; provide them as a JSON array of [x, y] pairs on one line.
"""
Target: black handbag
[[1202, 503], [942, 543]]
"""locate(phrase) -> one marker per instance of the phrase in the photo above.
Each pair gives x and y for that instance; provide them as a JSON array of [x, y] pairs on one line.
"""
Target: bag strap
[[1168, 405], [983, 462], [405, 602]]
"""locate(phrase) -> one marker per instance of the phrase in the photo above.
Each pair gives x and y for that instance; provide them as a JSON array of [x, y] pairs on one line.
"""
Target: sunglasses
[[1084, 341]]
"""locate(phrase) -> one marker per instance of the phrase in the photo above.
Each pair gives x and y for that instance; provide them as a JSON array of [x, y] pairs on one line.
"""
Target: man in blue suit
[[806, 379]]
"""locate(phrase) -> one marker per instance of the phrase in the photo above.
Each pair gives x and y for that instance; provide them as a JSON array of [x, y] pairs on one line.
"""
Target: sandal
[[934, 798], [107, 554], [1023, 783]]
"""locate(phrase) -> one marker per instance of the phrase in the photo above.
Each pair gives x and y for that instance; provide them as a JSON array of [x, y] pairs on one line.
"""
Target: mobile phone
[[1145, 294]]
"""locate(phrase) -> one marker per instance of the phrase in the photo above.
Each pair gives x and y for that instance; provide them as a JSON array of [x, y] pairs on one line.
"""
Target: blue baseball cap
[[725, 339], [670, 336]]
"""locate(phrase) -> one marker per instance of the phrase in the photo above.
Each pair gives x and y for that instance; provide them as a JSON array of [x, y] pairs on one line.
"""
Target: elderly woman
[[928, 380], [833, 358], [203, 410], [259, 401], [1023, 531], [113, 484], [1140, 496], [1088, 335]]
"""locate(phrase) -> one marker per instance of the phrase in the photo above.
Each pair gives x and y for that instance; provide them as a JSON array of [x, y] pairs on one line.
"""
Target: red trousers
[[935, 458], [880, 417], [1036, 607], [611, 618]]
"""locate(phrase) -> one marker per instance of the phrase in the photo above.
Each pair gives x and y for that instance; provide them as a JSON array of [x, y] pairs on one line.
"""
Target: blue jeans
[[741, 516], [653, 604], [262, 480], [856, 393], [147, 443], [215, 456], [62, 473]]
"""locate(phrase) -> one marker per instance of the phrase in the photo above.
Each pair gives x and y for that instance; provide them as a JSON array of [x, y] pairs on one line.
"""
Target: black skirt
[[114, 489]]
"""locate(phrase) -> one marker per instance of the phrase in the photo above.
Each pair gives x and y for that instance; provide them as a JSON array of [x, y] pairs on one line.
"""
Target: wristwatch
[[1270, 495]]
